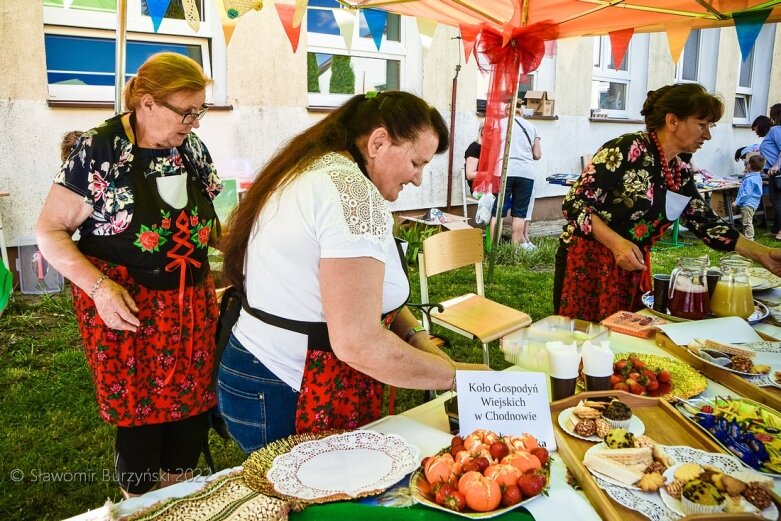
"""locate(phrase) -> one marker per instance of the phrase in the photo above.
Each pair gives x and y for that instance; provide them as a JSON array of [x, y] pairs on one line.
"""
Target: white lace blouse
[[330, 211]]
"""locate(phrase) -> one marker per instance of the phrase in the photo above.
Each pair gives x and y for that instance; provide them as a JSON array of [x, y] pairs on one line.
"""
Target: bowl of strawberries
[[482, 475], [651, 375]]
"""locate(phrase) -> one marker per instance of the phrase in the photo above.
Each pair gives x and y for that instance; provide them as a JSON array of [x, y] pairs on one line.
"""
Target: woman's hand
[[628, 255], [771, 259], [116, 307]]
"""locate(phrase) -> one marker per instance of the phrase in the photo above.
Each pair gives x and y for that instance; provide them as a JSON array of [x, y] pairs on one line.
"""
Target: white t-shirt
[[330, 211], [521, 158]]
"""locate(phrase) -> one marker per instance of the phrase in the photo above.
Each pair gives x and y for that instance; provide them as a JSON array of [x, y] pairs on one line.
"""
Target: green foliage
[[312, 73], [414, 233], [342, 76]]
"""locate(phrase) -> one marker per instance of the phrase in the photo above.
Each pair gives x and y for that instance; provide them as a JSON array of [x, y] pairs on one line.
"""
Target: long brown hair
[[682, 99], [404, 115]]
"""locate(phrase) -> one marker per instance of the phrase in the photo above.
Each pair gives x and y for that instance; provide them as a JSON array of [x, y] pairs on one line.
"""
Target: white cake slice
[[612, 469]]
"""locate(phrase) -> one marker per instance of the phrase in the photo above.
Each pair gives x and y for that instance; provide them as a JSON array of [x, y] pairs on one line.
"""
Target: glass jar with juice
[[732, 296], [689, 289]]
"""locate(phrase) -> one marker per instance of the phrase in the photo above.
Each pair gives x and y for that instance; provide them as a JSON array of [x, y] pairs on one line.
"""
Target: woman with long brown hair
[[311, 245]]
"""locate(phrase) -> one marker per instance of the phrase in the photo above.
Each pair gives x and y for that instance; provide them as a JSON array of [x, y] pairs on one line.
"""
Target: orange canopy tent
[[510, 35], [578, 17]]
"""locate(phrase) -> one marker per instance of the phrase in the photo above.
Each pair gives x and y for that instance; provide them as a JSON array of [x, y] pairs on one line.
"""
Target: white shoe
[[527, 246]]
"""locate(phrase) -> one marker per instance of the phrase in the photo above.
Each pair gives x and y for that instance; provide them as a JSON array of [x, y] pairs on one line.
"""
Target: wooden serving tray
[[770, 396], [663, 423]]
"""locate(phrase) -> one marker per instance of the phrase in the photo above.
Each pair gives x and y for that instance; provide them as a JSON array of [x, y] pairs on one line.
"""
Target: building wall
[[269, 105]]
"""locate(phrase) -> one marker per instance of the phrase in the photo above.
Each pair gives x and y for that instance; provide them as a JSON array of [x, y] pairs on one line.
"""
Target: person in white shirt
[[325, 325], [525, 149]]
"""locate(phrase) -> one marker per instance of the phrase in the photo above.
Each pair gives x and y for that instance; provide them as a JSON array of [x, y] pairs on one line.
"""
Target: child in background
[[750, 193], [68, 140]]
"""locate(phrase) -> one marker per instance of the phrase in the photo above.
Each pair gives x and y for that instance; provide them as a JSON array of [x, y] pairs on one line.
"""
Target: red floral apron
[[333, 395]]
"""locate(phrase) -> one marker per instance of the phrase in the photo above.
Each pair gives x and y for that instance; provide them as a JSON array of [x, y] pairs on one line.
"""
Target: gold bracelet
[[97, 285]]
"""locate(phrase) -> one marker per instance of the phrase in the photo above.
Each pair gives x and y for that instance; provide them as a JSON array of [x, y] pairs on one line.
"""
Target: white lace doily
[[348, 465], [650, 504]]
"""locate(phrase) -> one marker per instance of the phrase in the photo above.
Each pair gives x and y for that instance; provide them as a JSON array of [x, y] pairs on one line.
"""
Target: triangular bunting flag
[[677, 34], [619, 41], [228, 24], [157, 9], [67, 3], [468, 36], [191, 14], [565, 52], [286, 14], [376, 20], [426, 30], [300, 12], [236, 8], [345, 19], [748, 25]]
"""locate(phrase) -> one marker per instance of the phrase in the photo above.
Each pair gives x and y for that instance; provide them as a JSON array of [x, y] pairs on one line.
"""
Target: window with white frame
[[744, 90], [335, 73], [610, 83], [689, 63], [80, 50]]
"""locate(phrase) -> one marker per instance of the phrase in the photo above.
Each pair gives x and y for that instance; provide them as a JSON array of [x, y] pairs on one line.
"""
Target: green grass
[[49, 426]]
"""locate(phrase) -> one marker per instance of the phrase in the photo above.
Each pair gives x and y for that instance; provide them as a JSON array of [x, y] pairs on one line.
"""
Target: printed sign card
[[505, 402]]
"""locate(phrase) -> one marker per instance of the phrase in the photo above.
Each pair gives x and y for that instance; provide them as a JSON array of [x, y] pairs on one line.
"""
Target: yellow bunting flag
[[566, 51], [677, 34], [286, 13], [300, 12], [228, 24], [426, 30], [345, 19], [191, 14]]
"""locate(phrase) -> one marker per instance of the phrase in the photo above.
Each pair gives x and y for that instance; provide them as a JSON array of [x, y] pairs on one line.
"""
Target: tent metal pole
[[453, 106], [119, 55], [497, 231]]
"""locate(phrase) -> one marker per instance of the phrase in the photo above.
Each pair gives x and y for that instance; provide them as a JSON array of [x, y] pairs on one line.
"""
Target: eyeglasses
[[188, 118]]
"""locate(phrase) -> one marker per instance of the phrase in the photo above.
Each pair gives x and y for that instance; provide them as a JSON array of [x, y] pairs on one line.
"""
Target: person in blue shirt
[[769, 148], [750, 193]]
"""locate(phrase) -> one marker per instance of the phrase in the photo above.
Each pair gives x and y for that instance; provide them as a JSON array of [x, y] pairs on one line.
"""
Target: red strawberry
[[449, 497], [654, 393], [637, 389], [665, 387], [511, 496], [542, 454], [637, 363], [664, 376], [620, 365], [482, 463], [652, 385], [620, 386], [634, 376], [615, 379], [531, 484], [470, 466], [499, 450]]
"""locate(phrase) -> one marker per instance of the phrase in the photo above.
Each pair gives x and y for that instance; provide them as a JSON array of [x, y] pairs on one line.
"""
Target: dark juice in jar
[[692, 303]]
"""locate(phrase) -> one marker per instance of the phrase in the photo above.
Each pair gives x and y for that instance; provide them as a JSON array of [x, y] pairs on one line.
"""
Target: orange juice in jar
[[732, 296]]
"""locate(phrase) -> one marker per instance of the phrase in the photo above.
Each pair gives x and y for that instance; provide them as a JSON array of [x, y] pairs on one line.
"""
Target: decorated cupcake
[[698, 497], [618, 415]]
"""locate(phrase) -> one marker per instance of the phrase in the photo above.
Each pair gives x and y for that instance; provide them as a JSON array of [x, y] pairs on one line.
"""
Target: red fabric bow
[[521, 47]]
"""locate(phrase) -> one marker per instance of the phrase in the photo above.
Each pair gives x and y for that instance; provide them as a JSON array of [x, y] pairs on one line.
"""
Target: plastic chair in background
[[470, 315]]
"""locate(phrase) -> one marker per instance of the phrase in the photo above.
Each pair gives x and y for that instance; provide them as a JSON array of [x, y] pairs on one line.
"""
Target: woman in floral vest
[[139, 189], [635, 186]]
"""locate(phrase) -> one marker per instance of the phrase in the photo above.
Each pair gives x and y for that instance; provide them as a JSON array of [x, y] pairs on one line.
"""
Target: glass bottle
[[732, 296], [689, 289]]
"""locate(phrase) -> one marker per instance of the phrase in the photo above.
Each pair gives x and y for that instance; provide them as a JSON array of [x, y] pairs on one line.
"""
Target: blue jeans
[[258, 407]]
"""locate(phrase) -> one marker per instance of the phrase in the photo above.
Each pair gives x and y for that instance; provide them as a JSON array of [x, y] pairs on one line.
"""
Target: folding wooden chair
[[471, 315]]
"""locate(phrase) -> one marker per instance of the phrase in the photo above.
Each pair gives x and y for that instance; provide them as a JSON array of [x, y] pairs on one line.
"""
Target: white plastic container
[[36, 275]]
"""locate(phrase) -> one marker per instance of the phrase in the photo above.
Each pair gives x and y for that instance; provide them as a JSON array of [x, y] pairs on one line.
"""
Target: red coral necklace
[[673, 183]]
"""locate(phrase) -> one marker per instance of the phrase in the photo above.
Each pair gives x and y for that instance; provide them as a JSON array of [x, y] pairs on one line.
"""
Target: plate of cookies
[[591, 420], [721, 485]]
